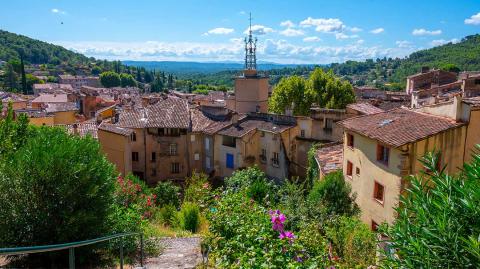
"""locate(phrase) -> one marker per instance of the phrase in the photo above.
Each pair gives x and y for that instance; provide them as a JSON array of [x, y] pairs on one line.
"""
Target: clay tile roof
[[51, 98], [115, 129], [83, 129], [247, 125], [208, 123], [399, 126], [473, 101], [330, 158], [59, 107], [166, 113], [365, 108]]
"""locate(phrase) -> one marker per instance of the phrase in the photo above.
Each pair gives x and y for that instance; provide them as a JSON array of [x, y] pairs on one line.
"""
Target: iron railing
[[71, 248]]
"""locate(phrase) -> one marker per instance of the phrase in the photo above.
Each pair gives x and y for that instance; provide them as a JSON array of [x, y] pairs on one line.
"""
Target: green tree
[[110, 79], [450, 68], [55, 188], [96, 70], [167, 194], [438, 224], [10, 78], [291, 93], [30, 80], [127, 80], [24, 78], [334, 195], [157, 84]]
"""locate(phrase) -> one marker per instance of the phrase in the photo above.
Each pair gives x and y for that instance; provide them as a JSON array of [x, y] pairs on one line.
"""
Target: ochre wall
[[117, 150]]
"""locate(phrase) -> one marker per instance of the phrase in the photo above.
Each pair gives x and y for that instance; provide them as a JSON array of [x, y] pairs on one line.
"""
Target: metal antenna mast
[[250, 49]]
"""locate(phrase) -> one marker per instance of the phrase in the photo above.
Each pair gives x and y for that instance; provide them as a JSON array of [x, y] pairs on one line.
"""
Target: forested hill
[[465, 55], [461, 56], [36, 51]]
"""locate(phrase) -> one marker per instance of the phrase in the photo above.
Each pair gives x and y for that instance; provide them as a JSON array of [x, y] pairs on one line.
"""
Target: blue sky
[[212, 30]]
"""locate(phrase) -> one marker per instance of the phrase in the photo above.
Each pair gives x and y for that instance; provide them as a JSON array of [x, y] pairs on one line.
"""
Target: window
[[350, 142], [229, 160], [275, 159], [173, 149], [175, 168], [275, 137], [154, 157], [263, 156], [378, 192], [357, 171], [228, 141], [302, 133], [154, 172], [328, 124], [207, 143], [477, 81], [349, 169], [192, 138], [196, 156], [374, 226], [92, 114], [135, 156], [133, 136], [383, 153]]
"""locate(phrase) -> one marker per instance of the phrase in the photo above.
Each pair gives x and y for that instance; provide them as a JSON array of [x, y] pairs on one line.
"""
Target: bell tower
[[251, 88]]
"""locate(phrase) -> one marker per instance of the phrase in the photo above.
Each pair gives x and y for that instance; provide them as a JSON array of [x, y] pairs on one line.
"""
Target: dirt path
[[178, 253]]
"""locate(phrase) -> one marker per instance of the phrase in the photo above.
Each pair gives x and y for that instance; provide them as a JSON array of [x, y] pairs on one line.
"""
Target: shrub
[[198, 190], [244, 178], [189, 217], [333, 194], [353, 242], [167, 194], [55, 188], [110, 79], [438, 220], [168, 214]]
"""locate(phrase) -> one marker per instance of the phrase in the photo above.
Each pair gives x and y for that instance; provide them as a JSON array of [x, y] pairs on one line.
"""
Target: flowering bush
[[131, 192]]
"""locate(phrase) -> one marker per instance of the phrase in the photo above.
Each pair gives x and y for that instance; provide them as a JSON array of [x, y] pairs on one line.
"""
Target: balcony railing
[[71, 248]]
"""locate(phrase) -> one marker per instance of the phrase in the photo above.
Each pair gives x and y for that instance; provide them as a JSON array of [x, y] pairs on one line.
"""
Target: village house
[[116, 143], [79, 81], [158, 139], [261, 139], [329, 158], [43, 99], [63, 113], [382, 150], [52, 88]]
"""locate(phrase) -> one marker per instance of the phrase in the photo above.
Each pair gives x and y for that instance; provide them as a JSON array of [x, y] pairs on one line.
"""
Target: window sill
[[349, 177], [350, 148], [379, 201]]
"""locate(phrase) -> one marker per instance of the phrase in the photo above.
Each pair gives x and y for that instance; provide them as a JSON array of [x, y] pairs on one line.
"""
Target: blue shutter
[[229, 160]]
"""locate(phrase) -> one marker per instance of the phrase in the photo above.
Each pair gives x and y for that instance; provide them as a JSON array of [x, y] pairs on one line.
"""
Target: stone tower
[[251, 88]]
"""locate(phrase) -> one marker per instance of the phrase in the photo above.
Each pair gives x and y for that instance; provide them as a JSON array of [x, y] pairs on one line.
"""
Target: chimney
[[235, 118]]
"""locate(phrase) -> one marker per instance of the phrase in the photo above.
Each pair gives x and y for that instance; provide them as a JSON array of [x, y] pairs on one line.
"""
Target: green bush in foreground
[[189, 217], [438, 224]]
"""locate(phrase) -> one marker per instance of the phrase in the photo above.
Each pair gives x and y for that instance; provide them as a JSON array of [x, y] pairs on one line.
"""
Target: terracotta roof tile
[[166, 113], [398, 126], [59, 107], [115, 129], [247, 125], [330, 158], [51, 98], [365, 108]]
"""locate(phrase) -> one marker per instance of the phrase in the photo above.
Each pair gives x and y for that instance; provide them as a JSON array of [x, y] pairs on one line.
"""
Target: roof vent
[[385, 122]]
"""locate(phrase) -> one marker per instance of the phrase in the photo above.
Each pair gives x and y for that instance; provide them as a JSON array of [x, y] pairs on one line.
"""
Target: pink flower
[[286, 234]]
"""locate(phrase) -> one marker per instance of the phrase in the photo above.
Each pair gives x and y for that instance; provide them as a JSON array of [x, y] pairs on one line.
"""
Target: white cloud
[[422, 32], [355, 29], [474, 19], [377, 31], [258, 29], [344, 36], [287, 23], [58, 11], [360, 41], [219, 31], [311, 39], [439, 42], [403, 44], [242, 12], [280, 51], [324, 25], [292, 32]]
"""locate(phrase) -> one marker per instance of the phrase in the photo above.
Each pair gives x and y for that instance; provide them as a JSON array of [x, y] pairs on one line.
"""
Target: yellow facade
[[117, 149], [251, 94], [64, 117], [403, 162], [40, 121]]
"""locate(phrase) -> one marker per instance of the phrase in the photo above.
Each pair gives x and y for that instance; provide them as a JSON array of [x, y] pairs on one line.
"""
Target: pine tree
[[24, 77]]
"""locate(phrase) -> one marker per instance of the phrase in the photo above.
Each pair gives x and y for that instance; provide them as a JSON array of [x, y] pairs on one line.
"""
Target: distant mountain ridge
[[201, 67]]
